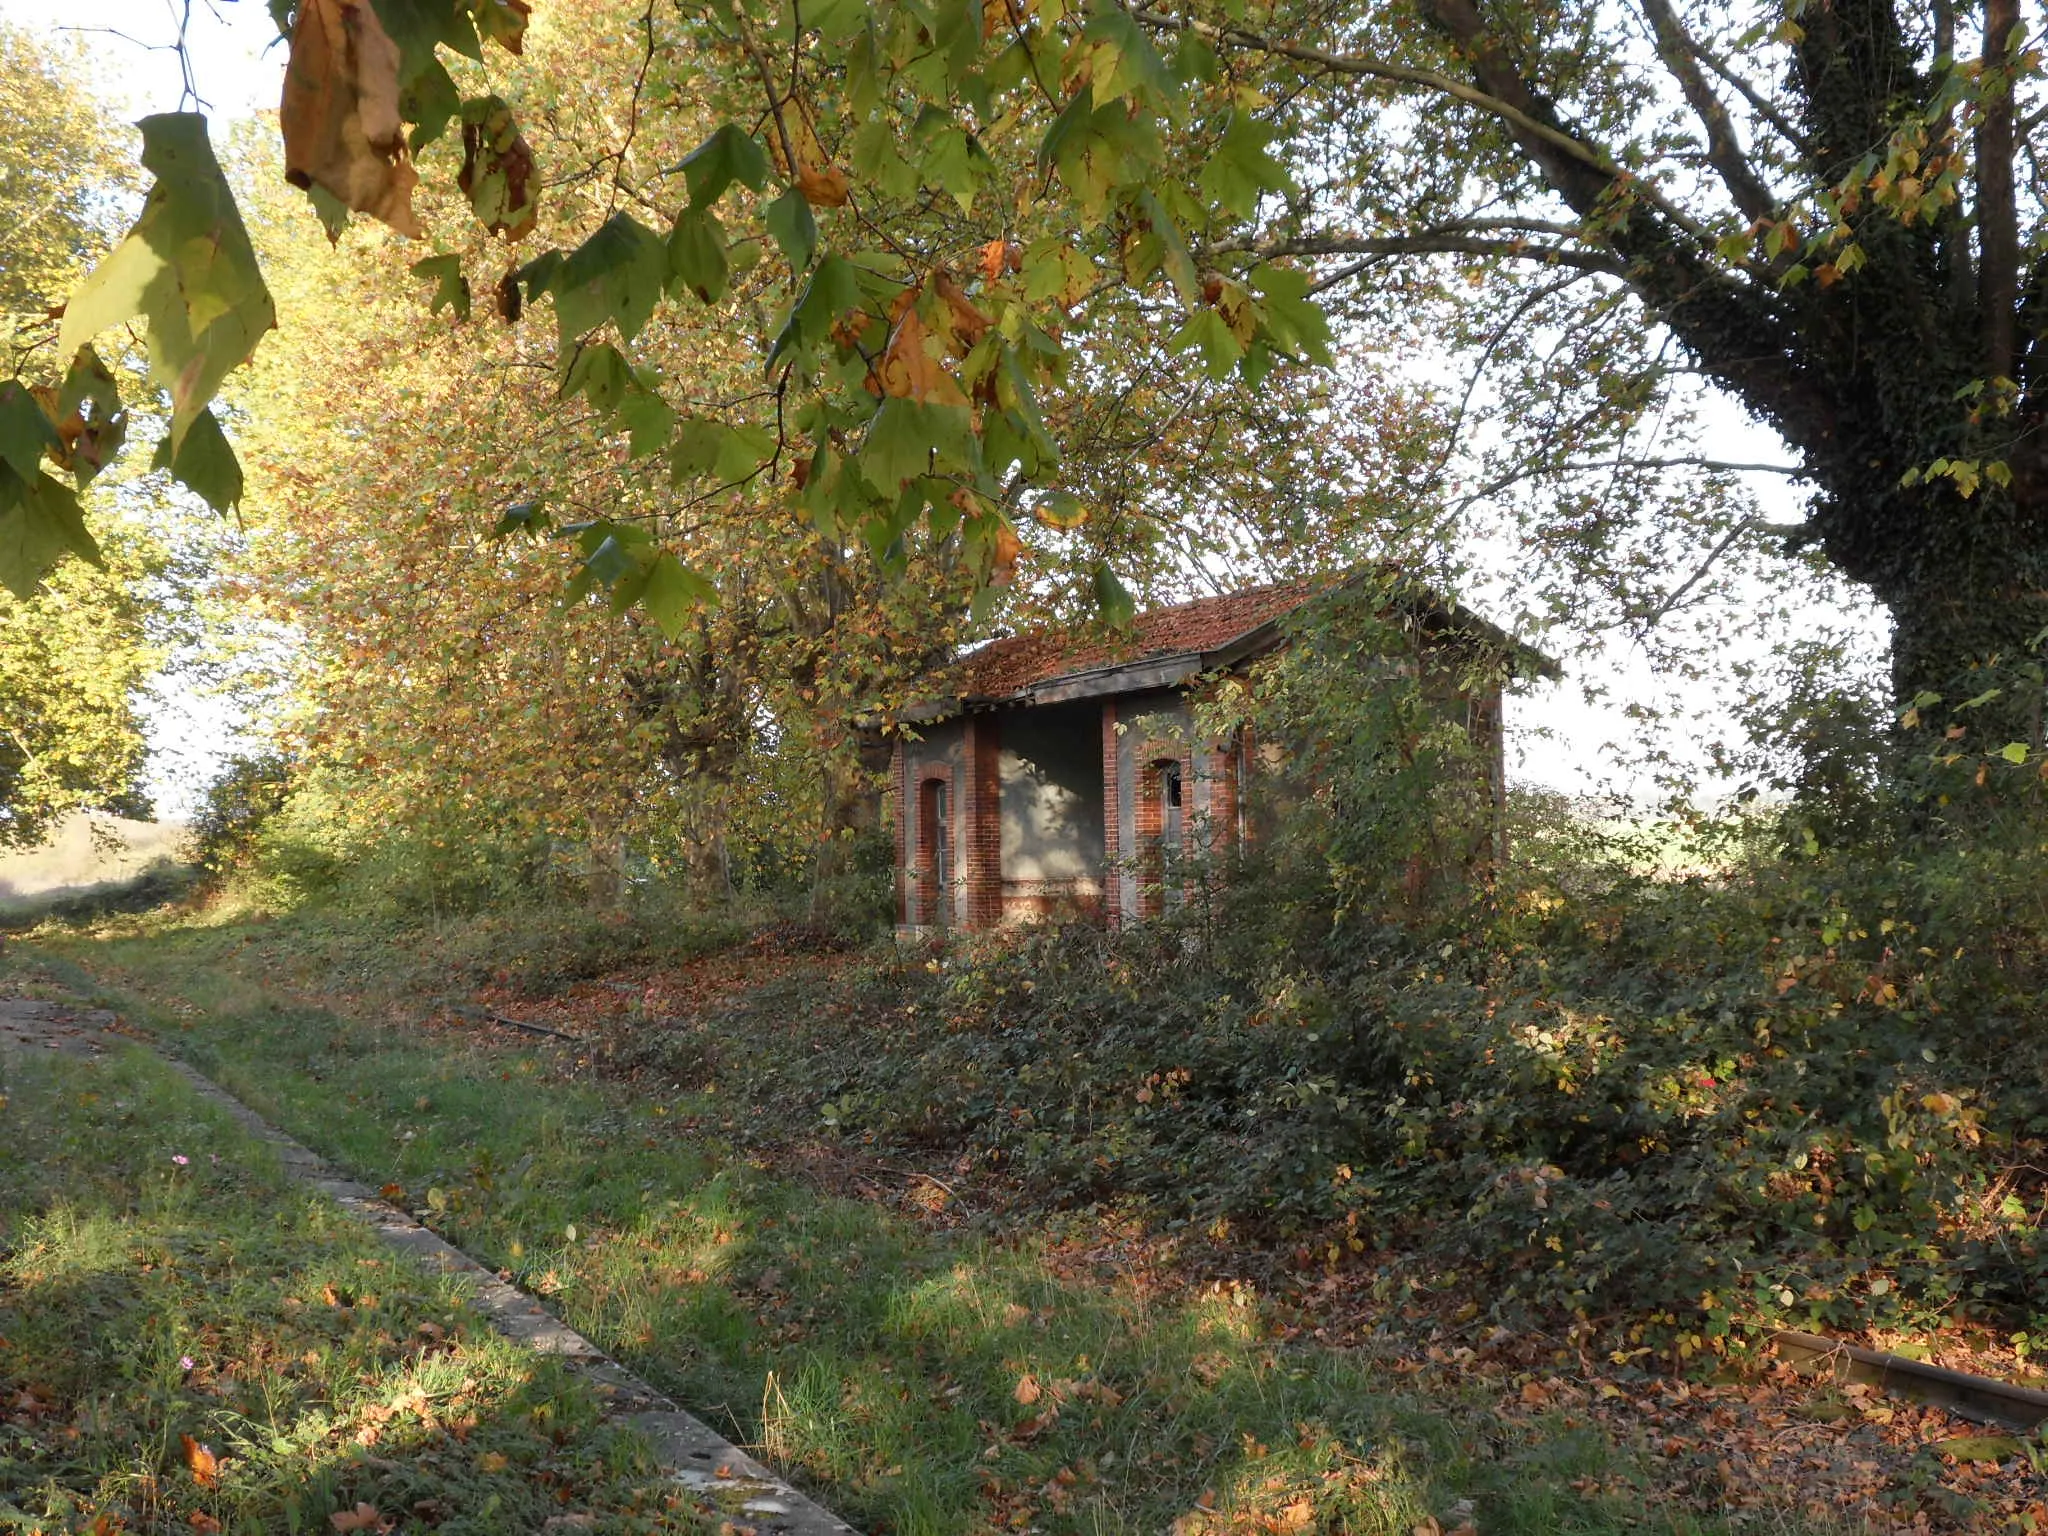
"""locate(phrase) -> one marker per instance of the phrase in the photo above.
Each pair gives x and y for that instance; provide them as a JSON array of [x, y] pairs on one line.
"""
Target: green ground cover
[[919, 1381], [190, 1342]]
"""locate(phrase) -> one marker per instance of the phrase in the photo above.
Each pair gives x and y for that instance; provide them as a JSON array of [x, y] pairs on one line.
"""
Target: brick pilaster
[[903, 810], [1112, 820], [984, 824]]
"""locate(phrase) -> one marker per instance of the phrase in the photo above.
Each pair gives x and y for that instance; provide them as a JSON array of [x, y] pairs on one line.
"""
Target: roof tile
[[1005, 667]]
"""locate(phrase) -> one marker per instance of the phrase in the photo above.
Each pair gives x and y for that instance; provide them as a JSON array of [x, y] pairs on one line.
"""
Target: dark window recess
[[936, 835]]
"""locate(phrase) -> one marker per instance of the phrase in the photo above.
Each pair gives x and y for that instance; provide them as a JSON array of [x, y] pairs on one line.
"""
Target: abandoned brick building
[[1046, 776]]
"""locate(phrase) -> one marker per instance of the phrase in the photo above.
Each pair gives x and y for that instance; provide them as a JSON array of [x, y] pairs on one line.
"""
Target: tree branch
[[1724, 151], [1448, 241]]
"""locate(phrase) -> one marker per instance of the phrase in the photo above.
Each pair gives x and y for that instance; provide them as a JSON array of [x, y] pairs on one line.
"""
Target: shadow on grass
[[189, 1342], [921, 1383]]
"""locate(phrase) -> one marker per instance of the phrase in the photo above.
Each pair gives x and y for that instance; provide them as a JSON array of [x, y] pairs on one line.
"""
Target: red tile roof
[[1004, 667]]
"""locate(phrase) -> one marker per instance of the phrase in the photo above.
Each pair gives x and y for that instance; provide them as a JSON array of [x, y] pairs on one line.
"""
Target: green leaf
[[498, 173], [674, 593], [1174, 255], [1061, 509], [2014, 751], [898, 447], [1293, 321], [25, 431], [1219, 344], [695, 449], [416, 26], [452, 288], [205, 463], [1978, 1447], [617, 274], [601, 374], [742, 452], [790, 221], [906, 434], [726, 157], [187, 267], [430, 102], [834, 288], [648, 418], [1123, 60], [1114, 598], [40, 522], [696, 255], [1239, 170]]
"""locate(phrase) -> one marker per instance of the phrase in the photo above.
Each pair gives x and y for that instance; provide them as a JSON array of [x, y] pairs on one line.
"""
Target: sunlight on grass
[[189, 1341]]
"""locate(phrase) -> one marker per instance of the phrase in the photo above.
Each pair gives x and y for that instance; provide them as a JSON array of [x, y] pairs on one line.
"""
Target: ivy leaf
[[187, 267], [790, 221], [205, 463], [40, 522], [673, 593], [452, 287], [726, 157], [617, 274]]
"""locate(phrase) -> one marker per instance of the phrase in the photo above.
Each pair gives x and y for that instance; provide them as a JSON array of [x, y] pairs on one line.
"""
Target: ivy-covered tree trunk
[[1969, 608]]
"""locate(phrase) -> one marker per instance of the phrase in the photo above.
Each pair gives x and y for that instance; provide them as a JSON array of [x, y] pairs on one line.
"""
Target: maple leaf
[[340, 118]]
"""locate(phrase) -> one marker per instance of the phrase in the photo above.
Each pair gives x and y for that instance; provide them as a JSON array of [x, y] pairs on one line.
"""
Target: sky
[[1558, 738]]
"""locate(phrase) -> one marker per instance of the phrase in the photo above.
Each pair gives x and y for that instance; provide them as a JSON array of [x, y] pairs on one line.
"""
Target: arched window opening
[[1172, 832]]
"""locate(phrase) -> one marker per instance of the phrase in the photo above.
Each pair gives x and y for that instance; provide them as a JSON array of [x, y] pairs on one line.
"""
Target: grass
[[190, 1342], [920, 1382]]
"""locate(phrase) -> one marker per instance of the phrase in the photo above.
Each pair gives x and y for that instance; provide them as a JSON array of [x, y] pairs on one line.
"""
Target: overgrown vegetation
[[922, 1381]]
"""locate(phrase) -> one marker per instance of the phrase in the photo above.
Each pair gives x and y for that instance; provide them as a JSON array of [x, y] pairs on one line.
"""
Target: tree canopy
[[930, 238]]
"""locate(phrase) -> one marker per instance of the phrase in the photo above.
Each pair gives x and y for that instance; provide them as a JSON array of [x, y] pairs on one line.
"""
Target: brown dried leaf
[[339, 116], [969, 323], [827, 188], [1028, 1390], [910, 371], [363, 1517], [204, 1464]]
